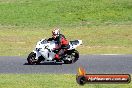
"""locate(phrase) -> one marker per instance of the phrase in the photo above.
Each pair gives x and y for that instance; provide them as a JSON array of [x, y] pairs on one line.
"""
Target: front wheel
[[71, 57], [31, 58]]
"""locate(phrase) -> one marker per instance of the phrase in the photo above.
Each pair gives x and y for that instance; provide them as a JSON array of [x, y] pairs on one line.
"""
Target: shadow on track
[[46, 63]]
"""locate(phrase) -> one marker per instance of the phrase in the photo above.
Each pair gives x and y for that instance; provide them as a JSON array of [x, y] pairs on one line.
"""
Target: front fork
[[37, 54]]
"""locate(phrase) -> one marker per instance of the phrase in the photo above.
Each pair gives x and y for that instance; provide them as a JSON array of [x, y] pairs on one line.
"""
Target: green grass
[[49, 81], [68, 13], [115, 39], [105, 26]]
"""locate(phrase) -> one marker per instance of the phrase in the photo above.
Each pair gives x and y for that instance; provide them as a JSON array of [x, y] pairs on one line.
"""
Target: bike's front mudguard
[[37, 54]]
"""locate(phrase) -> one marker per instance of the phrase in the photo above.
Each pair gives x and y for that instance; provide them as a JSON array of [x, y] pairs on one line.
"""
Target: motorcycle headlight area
[[38, 49], [44, 42]]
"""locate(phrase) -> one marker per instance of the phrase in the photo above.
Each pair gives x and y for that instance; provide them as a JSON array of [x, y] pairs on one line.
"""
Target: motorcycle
[[44, 51]]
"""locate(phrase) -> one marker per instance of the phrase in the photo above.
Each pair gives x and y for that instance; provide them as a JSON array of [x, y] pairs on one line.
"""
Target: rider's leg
[[59, 54]]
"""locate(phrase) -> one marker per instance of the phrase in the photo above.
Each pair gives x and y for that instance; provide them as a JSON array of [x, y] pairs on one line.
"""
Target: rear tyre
[[31, 58], [76, 55], [71, 57]]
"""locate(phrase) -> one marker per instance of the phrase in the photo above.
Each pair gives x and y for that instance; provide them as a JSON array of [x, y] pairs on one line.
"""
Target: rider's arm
[[64, 43], [50, 39]]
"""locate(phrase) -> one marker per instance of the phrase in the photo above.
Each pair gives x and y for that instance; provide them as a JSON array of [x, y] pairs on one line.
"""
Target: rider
[[62, 43]]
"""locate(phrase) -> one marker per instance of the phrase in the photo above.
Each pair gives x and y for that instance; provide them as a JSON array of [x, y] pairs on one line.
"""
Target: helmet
[[56, 33]]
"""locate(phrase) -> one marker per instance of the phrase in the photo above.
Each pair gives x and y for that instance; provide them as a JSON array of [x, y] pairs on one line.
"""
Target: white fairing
[[73, 46], [45, 48]]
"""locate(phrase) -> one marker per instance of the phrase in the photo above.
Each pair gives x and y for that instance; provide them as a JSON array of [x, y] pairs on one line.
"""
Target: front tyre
[[31, 58]]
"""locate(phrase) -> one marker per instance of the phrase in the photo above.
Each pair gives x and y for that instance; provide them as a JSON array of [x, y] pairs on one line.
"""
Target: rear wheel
[[31, 58], [71, 57]]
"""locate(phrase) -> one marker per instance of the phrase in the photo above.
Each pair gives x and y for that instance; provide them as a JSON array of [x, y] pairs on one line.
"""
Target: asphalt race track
[[91, 63]]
